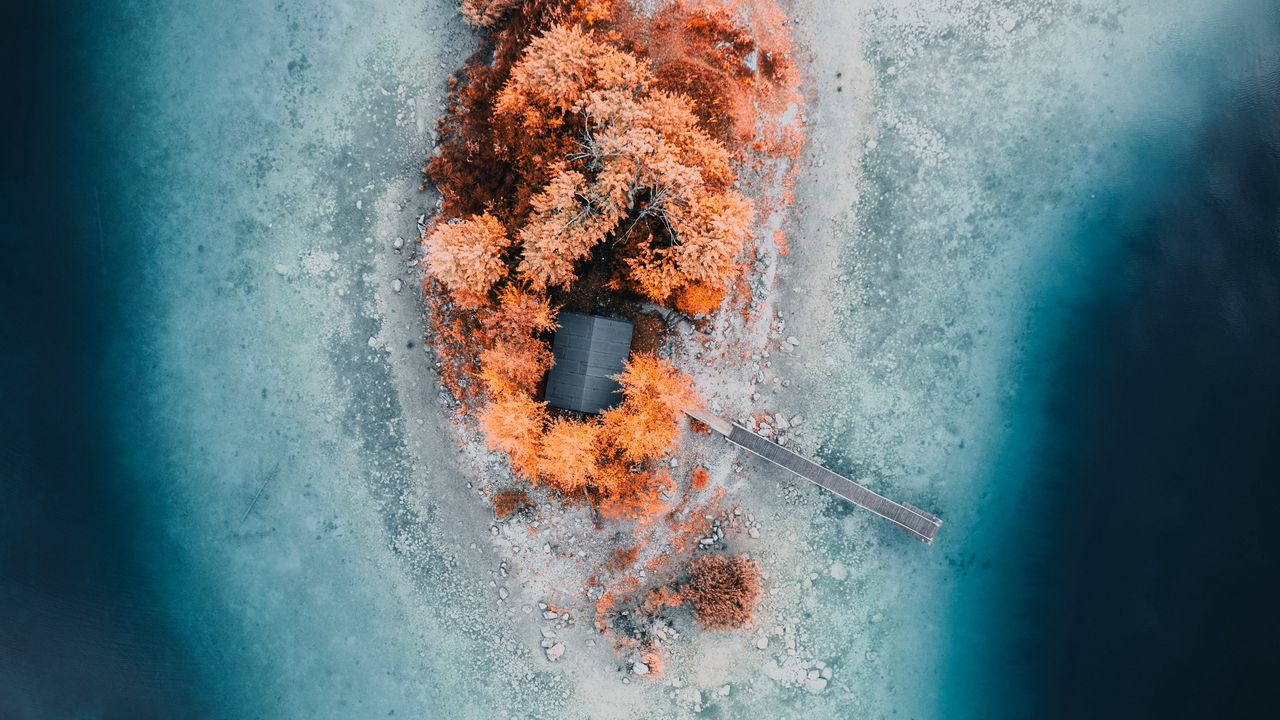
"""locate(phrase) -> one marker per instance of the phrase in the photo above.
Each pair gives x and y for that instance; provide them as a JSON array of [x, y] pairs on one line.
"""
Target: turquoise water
[[237, 531], [1004, 256]]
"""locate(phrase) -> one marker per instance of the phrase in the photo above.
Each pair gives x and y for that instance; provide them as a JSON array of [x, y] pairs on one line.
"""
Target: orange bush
[[723, 590], [700, 298], [660, 597], [510, 501], [514, 424], [634, 495], [467, 255], [658, 386], [655, 395], [569, 457], [515, 359], [519, 315], [655, 660], [508, 368], [486, 13], [563, 230]]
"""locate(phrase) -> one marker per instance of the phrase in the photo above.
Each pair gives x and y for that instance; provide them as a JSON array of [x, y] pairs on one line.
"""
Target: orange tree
[[640, 172], [577, 157]]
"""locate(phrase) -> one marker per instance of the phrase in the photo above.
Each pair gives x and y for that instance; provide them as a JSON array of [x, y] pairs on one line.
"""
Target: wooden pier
[[908, 517]]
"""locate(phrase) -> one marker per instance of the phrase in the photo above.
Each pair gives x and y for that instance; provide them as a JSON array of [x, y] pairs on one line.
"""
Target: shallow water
[[1060, 275], [1056, 327]]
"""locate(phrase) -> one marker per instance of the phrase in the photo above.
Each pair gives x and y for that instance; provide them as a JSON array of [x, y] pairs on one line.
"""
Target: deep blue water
[[1134, 573], [1156, 598], [1137, 580], [82, 634]]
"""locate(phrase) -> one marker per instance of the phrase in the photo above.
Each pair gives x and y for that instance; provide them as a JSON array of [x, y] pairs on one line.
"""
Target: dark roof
[[589, 351]]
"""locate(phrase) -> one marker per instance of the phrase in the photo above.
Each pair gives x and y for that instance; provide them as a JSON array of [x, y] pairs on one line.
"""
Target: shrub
[[515, 424], [509, 502], [723, 590], [467, 255]]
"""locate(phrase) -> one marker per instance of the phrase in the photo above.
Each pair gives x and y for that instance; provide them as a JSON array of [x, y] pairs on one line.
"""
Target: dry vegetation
[[723, 590]]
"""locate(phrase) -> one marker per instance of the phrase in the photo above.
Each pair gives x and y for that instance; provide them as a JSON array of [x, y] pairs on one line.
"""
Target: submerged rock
[[815, 685]]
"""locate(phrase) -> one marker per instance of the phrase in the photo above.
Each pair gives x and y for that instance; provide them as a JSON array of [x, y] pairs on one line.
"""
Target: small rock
[[548, 615], [814, 685], [555, 651], [503, 593], [399, 243], [282, 268], [397, 285], [792, 341], [753, 532], [640, 669], [548, 632], [724, 691], [838, 571], [762, 642]]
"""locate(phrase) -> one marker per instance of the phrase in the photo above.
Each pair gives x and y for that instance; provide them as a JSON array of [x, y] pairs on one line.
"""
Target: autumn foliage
[[485, 13], [466, 255], [639, 170], [606, 457], [723, 590], [566, 154], [645, 424], [599, 152], [589, 158]]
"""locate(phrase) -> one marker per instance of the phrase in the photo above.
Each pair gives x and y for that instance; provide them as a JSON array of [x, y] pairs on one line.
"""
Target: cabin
[[590, 352]]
